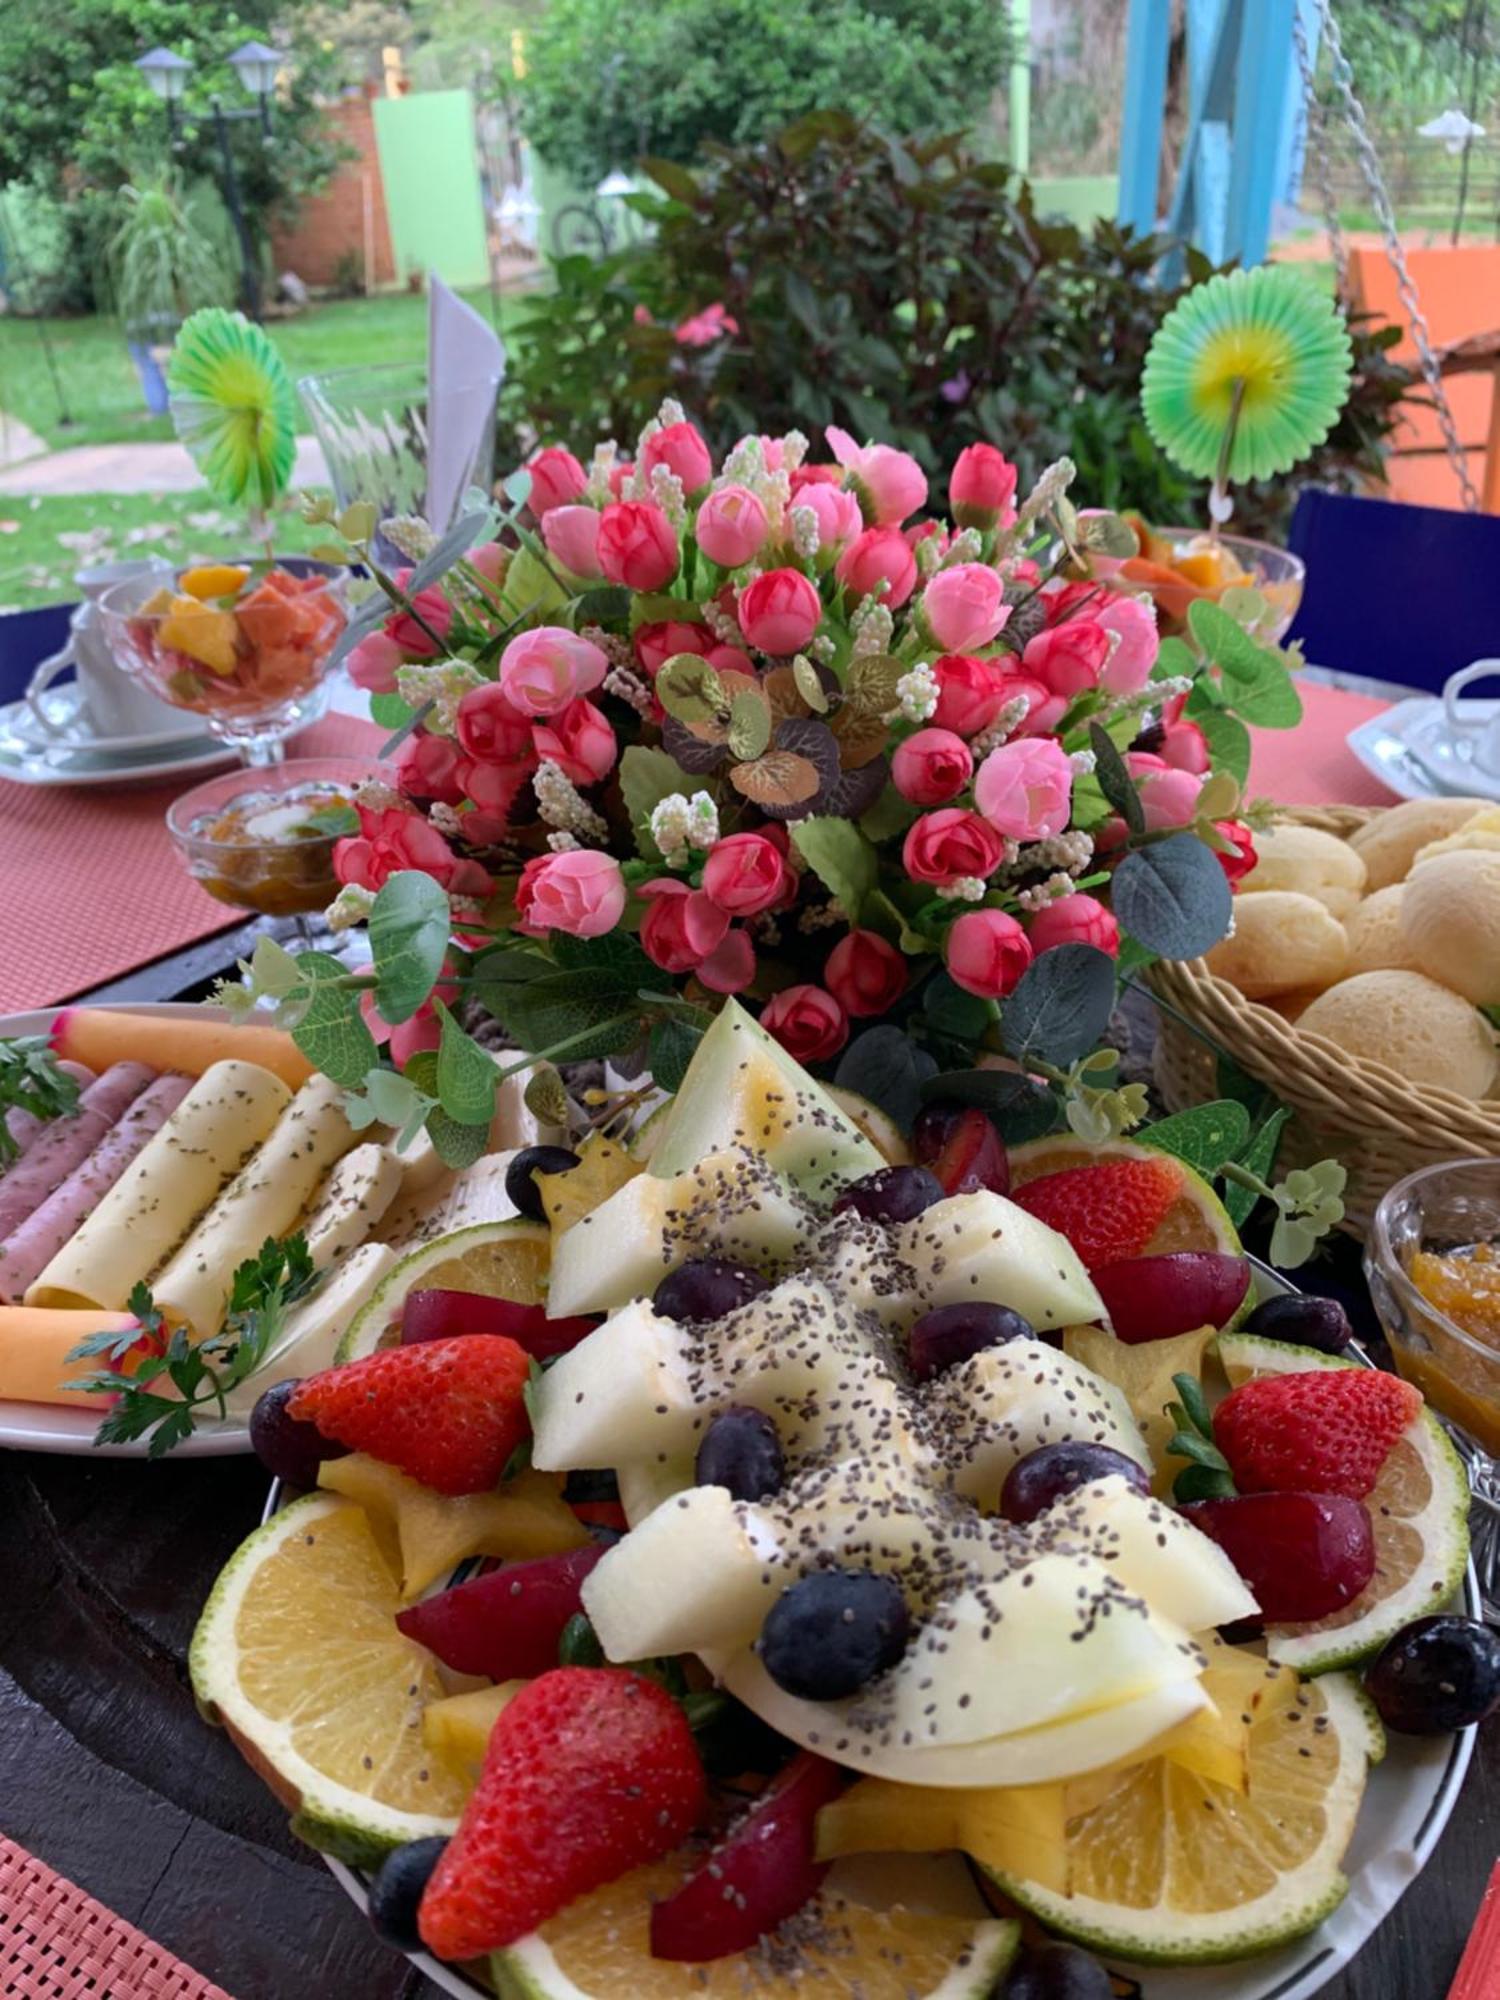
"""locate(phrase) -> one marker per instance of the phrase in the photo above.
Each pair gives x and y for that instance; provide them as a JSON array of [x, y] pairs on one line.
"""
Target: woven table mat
[[57, 1943]]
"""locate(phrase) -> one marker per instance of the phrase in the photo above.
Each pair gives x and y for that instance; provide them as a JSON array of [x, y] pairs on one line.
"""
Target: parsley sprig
[[30, 1080], [203, 1372]]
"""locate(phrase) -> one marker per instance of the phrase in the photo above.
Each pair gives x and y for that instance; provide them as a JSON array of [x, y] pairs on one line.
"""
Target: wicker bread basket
[[1375, 1121]]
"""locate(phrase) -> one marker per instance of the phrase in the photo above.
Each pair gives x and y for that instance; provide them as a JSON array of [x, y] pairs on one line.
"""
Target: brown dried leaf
[[861, 737], [785, 696], [780, 778]]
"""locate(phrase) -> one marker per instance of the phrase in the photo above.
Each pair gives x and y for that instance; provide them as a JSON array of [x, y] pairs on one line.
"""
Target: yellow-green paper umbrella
[[233, 406]]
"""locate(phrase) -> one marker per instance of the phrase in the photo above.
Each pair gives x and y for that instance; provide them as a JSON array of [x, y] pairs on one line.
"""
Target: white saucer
[[71, 729], [25, 761], [1408, 749]]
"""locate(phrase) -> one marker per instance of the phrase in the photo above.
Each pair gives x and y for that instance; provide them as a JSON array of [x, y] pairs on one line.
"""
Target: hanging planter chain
[[1364, 146]]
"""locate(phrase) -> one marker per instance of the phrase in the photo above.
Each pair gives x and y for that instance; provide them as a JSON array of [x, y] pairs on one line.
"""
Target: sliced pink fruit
[[1303, 1555], [758, 1876], [506, 1624], [972, 1155], [436, 1314], [1153, 1298]]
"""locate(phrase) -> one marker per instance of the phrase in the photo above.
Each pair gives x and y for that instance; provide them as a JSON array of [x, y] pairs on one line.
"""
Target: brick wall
[[332, 225]]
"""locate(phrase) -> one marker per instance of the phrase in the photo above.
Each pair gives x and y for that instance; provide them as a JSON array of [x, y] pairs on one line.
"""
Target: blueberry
[[949, 1334], [1302, 1320], [832, 1632], [1058, 1972], [291, 1448], [1437, 1675], [1045, 1475], [891, 1194], [741, 1449], [522, 1190], [706, 1288], [396, 1891]]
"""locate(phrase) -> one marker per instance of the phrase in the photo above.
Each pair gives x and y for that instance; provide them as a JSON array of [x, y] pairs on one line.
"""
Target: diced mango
[[160, 600], [204, 634], [213, 580]]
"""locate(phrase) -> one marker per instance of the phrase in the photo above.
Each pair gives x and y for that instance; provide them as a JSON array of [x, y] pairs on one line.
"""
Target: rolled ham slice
[[23, 1126], [28, 1251], [67, 1142]]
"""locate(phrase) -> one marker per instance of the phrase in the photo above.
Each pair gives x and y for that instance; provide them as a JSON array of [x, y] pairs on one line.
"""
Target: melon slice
[[1158, 1555], [981, 1246]]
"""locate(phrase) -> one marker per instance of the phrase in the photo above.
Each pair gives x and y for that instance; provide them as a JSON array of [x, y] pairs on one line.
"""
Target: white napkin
[[465, 367]]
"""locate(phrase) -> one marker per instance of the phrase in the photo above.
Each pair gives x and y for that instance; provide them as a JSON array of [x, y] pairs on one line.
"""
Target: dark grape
[[395, 1893], [1302, 1320], [933, 1129], [706, 1288], [741, 1449], [891, 1194], [949, 1334], [522, 1189], [1045, 1475], [1058, 1972], [292, 1448], [832, 1632], [1437, 1675], [973, 1156]]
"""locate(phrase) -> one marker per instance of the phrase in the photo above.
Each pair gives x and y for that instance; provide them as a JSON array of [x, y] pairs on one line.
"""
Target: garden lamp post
[[255, 65]]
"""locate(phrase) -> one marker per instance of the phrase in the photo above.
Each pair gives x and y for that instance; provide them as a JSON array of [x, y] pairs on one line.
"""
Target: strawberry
[[1108, 1211], [1319, 1432], [448, 1412], [590, 1772]]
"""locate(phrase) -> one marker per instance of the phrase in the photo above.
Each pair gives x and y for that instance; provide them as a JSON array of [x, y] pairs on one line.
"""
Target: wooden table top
[[107, 1772]]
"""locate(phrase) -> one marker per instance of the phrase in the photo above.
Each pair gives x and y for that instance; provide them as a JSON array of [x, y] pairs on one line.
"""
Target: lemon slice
[[500, 1260], [1419, 1510], [1197, 1220], [298, 1655], [841, 1947], [1168, 1866]]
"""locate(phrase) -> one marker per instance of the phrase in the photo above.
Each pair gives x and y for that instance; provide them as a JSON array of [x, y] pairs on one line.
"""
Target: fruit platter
[[771, 1551]]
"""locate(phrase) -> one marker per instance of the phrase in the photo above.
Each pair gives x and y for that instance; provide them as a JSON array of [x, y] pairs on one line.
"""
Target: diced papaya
[[214, 580]]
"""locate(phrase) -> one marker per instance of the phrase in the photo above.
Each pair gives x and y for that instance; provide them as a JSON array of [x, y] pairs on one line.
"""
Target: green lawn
[[99, 384]]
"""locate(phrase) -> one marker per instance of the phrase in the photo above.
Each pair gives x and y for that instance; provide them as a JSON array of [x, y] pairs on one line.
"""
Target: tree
[[610, 80]]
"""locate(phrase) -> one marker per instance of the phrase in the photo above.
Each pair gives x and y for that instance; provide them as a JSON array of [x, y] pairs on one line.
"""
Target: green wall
[[429, 163]]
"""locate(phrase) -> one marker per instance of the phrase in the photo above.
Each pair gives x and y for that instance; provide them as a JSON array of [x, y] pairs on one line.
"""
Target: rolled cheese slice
[[174, 1178], [34, 1349], [265, 1199]]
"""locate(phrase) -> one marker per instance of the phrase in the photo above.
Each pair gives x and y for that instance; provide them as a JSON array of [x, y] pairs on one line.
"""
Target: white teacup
[[1483, 733], [113, 703]]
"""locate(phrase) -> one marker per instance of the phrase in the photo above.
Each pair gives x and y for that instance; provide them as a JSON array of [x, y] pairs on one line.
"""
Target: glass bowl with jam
[[263, 839]]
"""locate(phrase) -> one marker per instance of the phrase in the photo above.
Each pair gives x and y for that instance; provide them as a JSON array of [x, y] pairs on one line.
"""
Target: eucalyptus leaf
[[1205, 1136], [954, 1013], [466, 1074], [410, 925], [332, 1033], [1061, 1006], [1115, 781], [886, 1066], [357, 522], [1228, 743], [390, 711], [466, 533], [1021, 1107], [1258, 1158], [841, 858], [670, 1047], [1172, 896]]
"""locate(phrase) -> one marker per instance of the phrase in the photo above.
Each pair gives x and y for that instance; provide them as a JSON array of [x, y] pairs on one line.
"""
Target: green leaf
[[1194, 1403], [605, 606], [357, 522], [690, 690], [671, 1046], [889, 816], [456, 1145], [1257, 683], [1188, 1444], [1115, 781], [1205, 1136], [410, 926], [809, 685], [390, 711], [1272, 703], [841, 858], [1172, 896], [1175, 660], [646, 778], [1228, 743], [594, 1016], [950, 1011], [749, 726], [338, 820], [886, 1066], [874, 680], [546, 1096], [1258, 1158], [466, 1075], [616, 954], [1062, 1005], [579, 1645], [1202, 1482], [332, 1033], [1021, 1107]]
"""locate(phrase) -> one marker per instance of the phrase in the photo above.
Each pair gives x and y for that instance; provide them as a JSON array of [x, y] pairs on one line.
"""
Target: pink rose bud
[[837, 513], [1169, 797], [730, 966], [808, 474], [543, 670], [491, 559], [681, 927], [1025, 788], [1043, 708], [427, 768], [581, 892], [982, 490], [880, 556], [620, 475], [1074, 920], [373, 662], [809, 1023], [730, 660], [1242, 840], [579, 741], [745, 873], [1128, 667], [657, 643], [572, 535], [889, 484], [732, 526], [780, 612], [493, 789], [1185, 748], [971, 693], [680, 448], [864, 974], [637, 545], [435, 613], [965, 607], [931, 767], [556, 479], [389, 843], [942, 846], [490, 729], [1068, 658], [986, 953]]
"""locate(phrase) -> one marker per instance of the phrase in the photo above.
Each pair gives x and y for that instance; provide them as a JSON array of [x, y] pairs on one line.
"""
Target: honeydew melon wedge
[[700, 1570], [982, 1247], [1159, 1555]]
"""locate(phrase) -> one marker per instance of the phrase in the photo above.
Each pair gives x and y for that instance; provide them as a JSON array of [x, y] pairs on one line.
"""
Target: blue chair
[[1394, 592], [26, 639]]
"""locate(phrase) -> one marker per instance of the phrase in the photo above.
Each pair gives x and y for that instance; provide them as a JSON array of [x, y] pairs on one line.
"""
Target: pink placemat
[[91, 885], [1312, 765], [56, 1943]]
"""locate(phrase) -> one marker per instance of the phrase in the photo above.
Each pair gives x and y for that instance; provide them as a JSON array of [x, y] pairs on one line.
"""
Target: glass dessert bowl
[[1179, 565], [264, 841]]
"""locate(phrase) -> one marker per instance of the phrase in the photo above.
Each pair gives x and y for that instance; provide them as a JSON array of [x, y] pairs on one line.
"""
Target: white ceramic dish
[[28, 758], [1408, 749], [63, 706]]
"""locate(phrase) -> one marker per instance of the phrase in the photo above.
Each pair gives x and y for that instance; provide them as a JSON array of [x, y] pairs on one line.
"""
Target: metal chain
[[1364, 146], [1315, 130]]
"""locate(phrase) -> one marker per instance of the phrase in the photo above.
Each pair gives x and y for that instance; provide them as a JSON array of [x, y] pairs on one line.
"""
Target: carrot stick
[[98, 1037]]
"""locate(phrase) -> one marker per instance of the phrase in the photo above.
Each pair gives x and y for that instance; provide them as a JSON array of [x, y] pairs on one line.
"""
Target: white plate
[[24, 760], [64, 708], [55, 1427], [1405, 748]]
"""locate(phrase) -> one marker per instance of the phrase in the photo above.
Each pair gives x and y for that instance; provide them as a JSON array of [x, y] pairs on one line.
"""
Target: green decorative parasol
[[234, 407], [1246, 374]]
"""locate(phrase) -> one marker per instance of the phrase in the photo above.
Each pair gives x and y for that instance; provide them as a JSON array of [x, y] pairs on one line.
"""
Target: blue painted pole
[[1260, 100], [1144, 109]]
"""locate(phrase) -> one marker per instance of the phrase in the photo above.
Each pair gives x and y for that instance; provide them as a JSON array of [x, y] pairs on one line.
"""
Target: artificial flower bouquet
[[912, 786]]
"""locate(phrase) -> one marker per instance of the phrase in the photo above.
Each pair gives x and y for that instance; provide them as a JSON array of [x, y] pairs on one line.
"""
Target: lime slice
[[865, 1937], [1197, 1220], [501, 1260], [1419, 1509], [1169, 1866], [298, 1655]]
